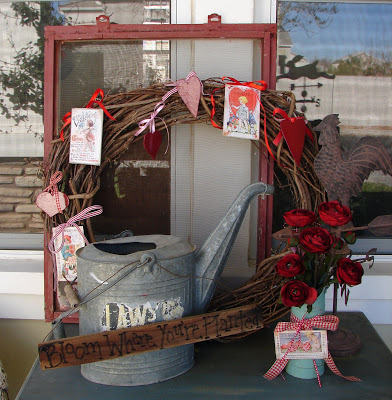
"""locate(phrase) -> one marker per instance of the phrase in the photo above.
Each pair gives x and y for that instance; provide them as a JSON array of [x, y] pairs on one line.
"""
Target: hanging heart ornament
[[189, 90], [152, 142], [293, 130], [51, 201]]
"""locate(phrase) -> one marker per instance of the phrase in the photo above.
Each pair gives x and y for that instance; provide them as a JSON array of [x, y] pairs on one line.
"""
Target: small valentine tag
[[86, 136], [241, 112], [68, 244], [51, 201]]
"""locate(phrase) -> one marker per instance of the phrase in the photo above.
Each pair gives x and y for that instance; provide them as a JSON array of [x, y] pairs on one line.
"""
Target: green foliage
[[22, 80], [362, 65]]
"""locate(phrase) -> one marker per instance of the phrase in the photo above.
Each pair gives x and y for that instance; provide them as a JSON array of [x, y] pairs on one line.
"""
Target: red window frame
[[103, 30]]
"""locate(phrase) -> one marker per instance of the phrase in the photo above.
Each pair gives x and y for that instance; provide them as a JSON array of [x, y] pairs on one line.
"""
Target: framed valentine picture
[[86, 136], [307, 344], [241, 117]]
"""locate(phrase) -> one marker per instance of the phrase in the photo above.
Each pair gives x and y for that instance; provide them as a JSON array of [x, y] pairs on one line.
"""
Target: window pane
[[21, 78], [336, 58]]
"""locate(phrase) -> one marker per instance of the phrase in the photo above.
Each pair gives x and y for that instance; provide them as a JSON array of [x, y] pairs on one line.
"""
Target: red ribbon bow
[[328, 322], [93, 100]]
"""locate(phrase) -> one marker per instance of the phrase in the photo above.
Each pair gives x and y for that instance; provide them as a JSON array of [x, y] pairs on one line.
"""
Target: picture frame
[[306, 344]]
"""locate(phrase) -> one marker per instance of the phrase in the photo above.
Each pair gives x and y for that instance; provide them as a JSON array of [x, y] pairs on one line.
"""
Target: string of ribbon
[[88, 212], [93, 100], [53, 190], [150, 122], [286, 117], [327, 322]]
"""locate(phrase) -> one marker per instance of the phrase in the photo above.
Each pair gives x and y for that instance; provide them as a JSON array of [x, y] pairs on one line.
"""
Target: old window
[[187, 189]]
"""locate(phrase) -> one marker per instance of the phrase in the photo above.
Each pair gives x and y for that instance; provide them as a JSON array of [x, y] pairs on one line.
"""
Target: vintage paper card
[[305, 345], [241, 117], [66, 257], [86, 136]]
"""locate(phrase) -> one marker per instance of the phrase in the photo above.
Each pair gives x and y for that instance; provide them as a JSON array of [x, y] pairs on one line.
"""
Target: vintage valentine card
[[302, 345], [66, 257], [241, 112], [86, 136]]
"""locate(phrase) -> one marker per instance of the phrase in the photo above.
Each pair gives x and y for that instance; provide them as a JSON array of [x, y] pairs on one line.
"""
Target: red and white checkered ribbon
[[327, 322], [88, 212], [174, 90], [53, 190]]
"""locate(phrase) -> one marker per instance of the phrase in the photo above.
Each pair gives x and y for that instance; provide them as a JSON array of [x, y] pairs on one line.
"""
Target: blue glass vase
[[304, 369]]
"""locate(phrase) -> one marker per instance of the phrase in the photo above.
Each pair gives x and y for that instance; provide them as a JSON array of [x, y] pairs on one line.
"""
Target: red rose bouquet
[[318, 257]]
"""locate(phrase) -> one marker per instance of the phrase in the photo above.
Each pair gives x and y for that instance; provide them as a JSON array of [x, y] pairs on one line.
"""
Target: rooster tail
[[367, 155]]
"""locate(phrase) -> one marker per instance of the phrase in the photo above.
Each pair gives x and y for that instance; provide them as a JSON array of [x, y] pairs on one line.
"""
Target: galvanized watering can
[[162, 277]]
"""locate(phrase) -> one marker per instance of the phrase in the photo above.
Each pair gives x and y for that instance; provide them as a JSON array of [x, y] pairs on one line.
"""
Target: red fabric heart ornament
[[294, 131], [189, 91], [294, 134], [47, 203], [152, 142]]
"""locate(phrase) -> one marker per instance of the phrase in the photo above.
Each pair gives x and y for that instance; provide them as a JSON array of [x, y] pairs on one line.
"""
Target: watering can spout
[[212, 256]]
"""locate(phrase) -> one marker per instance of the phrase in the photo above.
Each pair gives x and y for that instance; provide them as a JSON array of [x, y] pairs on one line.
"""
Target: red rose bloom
[[290, 265], [349, 272], [316, 240], [334, 213], [300, 218], [297, 293]]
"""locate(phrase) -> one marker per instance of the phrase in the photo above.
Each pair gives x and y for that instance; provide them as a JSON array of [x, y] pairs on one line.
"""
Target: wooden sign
[[140, 339]]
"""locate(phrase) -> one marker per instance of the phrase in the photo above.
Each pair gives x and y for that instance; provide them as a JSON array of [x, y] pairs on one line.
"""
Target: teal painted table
[[234, 371]]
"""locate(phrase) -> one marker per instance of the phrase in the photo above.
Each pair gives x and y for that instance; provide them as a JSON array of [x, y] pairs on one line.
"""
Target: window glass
[[336, 58], [21, 78]]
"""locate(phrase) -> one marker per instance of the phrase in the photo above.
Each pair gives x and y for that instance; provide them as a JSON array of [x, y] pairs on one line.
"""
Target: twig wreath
[[81, 182]]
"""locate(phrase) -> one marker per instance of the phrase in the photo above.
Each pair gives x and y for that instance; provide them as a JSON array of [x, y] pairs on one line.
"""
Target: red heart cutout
[[238, 91], [294, 134], [47, 203], [152, 142]]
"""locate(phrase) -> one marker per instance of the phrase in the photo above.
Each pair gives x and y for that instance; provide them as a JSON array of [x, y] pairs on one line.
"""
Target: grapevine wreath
[[81, 182]]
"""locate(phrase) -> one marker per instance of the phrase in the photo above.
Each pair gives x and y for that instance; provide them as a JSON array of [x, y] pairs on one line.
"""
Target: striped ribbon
[[88, 212], [327, 322], [53, 190]]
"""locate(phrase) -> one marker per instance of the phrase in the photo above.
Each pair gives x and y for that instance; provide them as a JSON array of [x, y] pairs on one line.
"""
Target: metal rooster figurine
[[343, 172]]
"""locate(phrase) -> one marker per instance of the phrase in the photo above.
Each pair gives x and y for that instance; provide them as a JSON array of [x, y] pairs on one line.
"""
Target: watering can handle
[[148, 259]]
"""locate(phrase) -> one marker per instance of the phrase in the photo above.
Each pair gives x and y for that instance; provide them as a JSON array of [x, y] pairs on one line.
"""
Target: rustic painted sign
[[161, 335]]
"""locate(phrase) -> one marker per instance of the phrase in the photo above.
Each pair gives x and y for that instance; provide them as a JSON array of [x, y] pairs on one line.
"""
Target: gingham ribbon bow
[[86, 213], [53, 190], [327, 322]]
